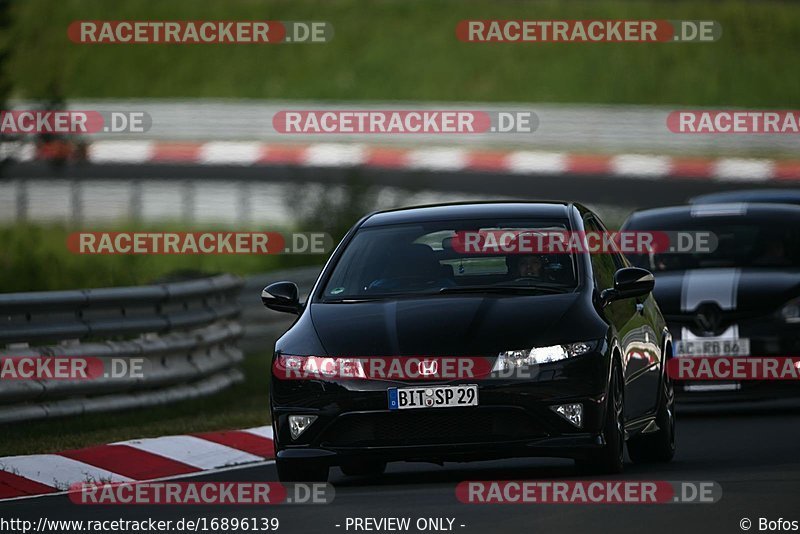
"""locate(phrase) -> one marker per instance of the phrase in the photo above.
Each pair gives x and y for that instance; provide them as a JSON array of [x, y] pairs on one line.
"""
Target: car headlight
[[511, 359], [791, 311], [317, 367]]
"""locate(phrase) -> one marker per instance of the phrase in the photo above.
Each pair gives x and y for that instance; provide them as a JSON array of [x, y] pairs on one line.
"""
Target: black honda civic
[[419, 343]]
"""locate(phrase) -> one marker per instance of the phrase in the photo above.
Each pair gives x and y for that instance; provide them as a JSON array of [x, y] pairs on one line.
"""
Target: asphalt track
[[753, 455]]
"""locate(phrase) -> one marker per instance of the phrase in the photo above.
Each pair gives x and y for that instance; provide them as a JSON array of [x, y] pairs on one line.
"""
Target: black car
[[780, 196], [397, 286], [740, 299]]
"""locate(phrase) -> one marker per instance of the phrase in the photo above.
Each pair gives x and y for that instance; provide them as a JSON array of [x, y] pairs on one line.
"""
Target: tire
[[659, 446], [364, 468], [301, 471], [608, 460]]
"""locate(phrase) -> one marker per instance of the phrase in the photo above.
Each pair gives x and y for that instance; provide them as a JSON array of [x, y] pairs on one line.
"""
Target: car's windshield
[[740, 242], [430, 258]]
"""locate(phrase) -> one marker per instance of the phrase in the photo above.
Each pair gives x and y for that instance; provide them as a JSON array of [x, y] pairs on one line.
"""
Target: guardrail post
[[189, 194], [22, 200], [245, 203], [136, 200], [76, 202]]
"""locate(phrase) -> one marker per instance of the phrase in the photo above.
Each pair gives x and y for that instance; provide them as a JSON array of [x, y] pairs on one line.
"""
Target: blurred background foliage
[[407, 50]]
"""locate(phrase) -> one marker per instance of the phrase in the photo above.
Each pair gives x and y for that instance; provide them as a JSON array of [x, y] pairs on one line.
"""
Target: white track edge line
[[173, 477]]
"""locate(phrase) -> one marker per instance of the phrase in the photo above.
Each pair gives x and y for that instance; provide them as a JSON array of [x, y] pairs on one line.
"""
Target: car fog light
[[571, 412], [299, 423]]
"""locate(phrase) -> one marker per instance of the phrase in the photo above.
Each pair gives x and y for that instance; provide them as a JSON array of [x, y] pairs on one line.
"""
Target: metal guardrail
[[185, 333]]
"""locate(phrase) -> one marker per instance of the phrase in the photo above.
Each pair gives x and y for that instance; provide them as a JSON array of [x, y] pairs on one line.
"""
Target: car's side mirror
[[282, 297], [629, 282]]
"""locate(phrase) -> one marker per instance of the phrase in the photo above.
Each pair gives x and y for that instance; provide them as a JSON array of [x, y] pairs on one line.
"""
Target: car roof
[[472, 210], [781, 196], [732, 209]]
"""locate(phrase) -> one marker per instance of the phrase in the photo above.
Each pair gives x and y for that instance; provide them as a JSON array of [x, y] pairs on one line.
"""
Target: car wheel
[[609, 458], [363, 468], [301, 471], [658, 446]]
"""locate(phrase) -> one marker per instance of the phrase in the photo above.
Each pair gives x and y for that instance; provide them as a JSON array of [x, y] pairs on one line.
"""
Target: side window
[[603, 265], [616, 256]]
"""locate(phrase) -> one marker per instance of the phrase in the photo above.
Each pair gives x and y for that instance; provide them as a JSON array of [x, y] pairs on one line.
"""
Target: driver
[[528, 266]]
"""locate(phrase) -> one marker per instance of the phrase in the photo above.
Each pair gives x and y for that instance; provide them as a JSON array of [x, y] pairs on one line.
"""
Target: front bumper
[[767, 338], [513, 419]]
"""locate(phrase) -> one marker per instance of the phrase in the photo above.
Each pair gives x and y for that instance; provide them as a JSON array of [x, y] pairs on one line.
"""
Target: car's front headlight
[[511, 359], [791, 311]]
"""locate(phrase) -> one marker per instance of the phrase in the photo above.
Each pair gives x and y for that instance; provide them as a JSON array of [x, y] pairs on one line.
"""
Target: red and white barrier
[[134, 460], [522, 162]]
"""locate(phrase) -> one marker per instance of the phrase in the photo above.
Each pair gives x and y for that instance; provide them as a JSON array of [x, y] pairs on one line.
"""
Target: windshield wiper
[[501, 289]]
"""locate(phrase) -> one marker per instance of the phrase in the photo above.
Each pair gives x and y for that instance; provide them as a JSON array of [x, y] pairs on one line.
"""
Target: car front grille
[[428, 427]]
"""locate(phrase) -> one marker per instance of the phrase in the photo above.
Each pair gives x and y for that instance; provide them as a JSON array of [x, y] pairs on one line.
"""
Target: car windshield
[[740, 242], [430, 258]]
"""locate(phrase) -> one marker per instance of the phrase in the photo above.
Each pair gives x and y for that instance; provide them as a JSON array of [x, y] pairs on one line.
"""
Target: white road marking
[[171, 477], [437, 159], [57, 471], [121, 151], [260, 431], [193, 451], [527, 161], [639, 166], [743, 170], [233, 153], [334, 155]]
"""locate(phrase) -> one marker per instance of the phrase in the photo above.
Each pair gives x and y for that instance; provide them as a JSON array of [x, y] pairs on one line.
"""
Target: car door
[[646, 353], [636, 336]]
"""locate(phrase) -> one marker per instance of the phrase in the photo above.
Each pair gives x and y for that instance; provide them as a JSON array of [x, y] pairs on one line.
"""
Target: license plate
[[713, 347], [433, 397]]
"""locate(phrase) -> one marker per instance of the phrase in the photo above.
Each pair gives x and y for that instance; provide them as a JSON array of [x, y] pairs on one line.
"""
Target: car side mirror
[[282, 297], [629, 282]]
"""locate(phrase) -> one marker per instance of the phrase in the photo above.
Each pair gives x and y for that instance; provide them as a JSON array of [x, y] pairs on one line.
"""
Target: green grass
[[34, 257], [407, 50], [244, 405]]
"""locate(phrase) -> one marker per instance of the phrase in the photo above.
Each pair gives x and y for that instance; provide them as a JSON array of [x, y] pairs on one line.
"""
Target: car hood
[[449, 325], [756, 290]]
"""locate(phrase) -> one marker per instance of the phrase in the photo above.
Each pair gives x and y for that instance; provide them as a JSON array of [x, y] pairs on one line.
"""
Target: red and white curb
[[134, 460], [522, 162]]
